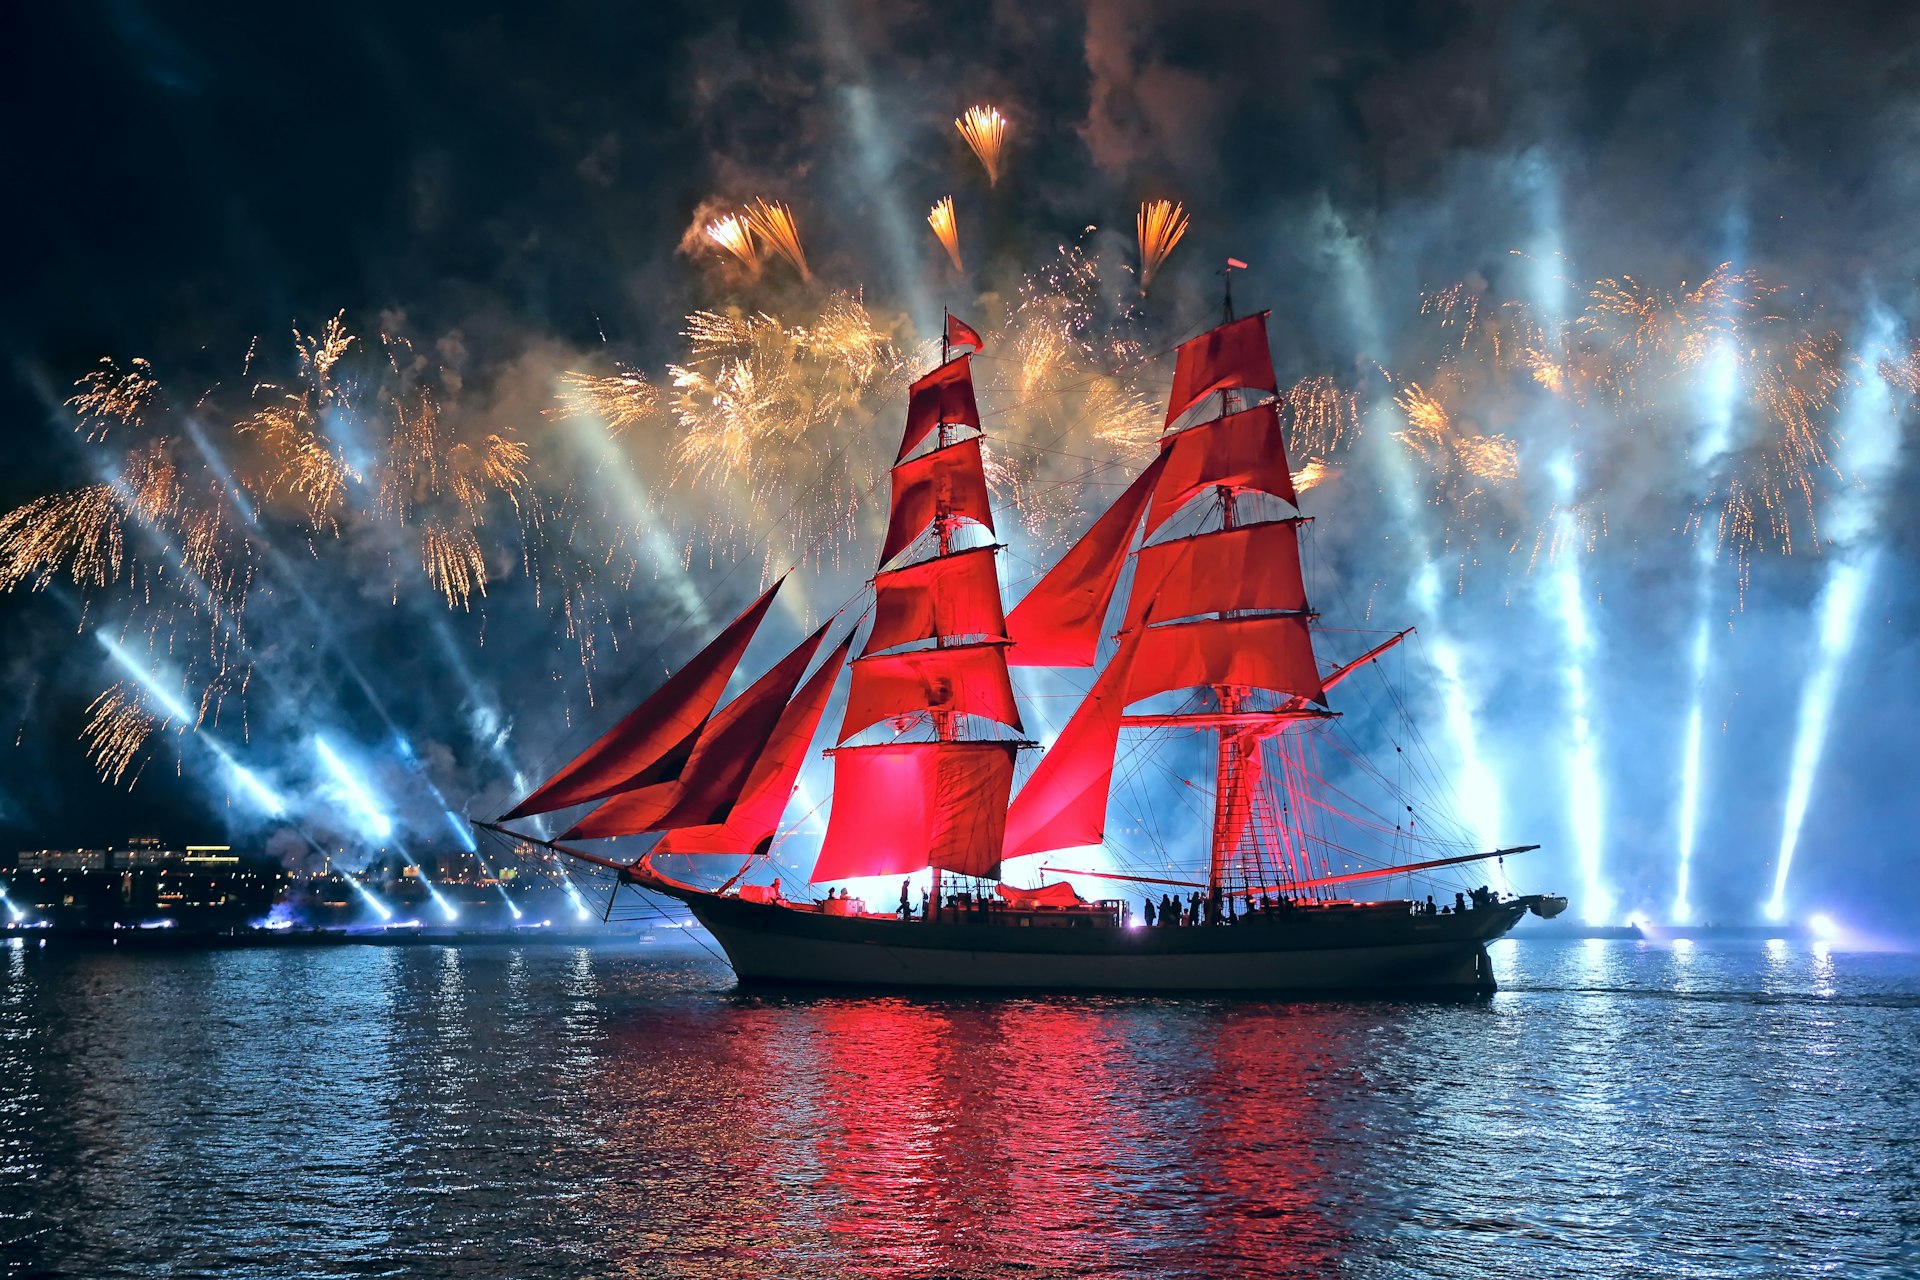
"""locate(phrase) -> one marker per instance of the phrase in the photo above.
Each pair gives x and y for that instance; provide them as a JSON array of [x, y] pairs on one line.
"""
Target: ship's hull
[[1319, 949]]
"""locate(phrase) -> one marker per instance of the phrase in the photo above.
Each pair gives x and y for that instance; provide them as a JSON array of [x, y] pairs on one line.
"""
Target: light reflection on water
[[1620, 1108]]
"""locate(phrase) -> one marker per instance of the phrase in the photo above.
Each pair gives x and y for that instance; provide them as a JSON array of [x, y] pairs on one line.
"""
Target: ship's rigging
[[1192, 583]]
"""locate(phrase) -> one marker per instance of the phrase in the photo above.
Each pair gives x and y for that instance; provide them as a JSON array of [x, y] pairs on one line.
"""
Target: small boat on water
[[1186, 596]]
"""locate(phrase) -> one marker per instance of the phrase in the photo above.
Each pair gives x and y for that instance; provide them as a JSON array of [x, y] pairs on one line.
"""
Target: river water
[[1618, 1109]]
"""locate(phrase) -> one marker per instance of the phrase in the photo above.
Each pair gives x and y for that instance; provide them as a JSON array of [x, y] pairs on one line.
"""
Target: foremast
[[933, 671]]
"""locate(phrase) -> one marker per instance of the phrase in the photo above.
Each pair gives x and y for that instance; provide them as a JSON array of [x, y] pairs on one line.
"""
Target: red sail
[[756, 815], [948, 597], [967, 679], [1241, 451], [1057, 623], [1233, 355], [945, 395], [717, 772], [909, 805], [1065, 801], [623, 755], [1255, 566], [1274, 652], [950, 479]]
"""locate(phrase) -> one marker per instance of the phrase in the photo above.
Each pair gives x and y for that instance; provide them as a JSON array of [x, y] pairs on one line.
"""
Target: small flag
[[1236, 264], [959, 333]]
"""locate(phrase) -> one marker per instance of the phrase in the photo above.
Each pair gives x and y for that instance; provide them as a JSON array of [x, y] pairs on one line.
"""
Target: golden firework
[[118, 724], [985, 130], [1432, 436], [940, 218], [1161, 223], [451, 556], [1309, 474], [109, 395], [622, 399], [735, 234], [773, 222], [82, 530]]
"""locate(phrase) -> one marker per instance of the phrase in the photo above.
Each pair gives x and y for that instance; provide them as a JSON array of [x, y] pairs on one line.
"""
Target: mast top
[[1226, 276]]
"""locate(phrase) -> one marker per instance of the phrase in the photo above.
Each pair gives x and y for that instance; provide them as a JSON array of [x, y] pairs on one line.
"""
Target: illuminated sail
[[1064, 803], [904, 807], [1255, 566], [1232, 356], [717, 771], [755, 817], [945, 484], [949, 596], [661, 731], [943, 397], [1057, 623], [1240, 452]]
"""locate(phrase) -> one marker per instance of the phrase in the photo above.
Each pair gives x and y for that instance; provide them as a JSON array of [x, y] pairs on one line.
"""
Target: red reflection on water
[[886, 1136]]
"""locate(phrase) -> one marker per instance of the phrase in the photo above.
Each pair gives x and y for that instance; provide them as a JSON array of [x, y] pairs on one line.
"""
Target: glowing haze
[[1594, 378]]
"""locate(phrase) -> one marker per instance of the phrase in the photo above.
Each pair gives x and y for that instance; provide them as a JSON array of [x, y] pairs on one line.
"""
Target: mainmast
[[935, 655], [1220, 613]]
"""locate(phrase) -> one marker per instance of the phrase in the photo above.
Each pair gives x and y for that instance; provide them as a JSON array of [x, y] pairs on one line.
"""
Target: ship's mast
[[943, 531], [903, 805], [1227, 792]]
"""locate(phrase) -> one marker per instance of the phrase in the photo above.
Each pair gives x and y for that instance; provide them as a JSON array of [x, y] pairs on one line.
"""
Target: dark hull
[[1319, 949]]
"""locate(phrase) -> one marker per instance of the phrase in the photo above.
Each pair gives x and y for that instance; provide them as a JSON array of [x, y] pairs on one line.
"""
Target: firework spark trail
[[1161, 224], [985, 130], [734, 233], [940, 218], [773, 222]]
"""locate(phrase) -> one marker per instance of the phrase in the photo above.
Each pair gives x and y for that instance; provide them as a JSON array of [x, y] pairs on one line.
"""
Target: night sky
[[512, 187]]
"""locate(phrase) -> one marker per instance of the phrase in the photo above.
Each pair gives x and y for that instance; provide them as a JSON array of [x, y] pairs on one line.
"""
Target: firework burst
[[734, 233], [773, 223], [940, 218], [985, 130], [1161, 224]]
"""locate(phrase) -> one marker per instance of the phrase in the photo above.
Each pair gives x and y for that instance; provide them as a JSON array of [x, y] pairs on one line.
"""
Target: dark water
[[1618, 1109]]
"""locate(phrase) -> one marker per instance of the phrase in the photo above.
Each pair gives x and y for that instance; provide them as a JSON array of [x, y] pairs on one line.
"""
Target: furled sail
[[903, 807], [943, 396], [1057, 623], [1249, 567], [946, 597], [755, 816], [1232, 355], [943, 483], [1241, 451], [661, 727], [717, 772], [963, 679]]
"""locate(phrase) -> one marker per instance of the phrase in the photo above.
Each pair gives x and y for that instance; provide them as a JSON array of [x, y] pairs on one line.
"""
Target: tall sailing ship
[[1190, 585]]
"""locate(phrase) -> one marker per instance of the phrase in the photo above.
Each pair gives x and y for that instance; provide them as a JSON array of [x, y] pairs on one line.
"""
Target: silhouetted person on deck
[[1459, 903], [906, 902], [1431, 909], [1148, 913]]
